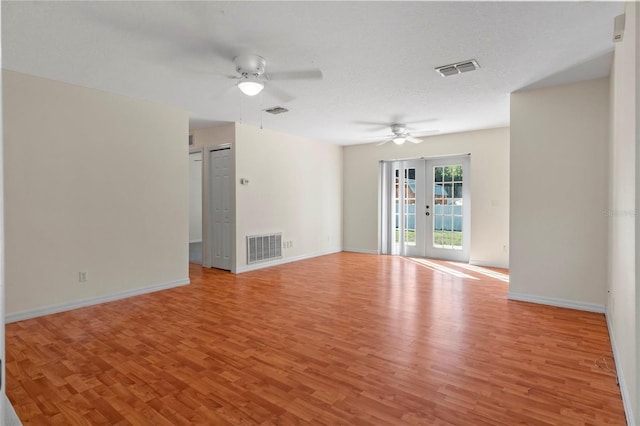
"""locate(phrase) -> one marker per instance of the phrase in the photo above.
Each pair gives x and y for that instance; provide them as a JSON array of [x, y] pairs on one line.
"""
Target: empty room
[[274, 213]]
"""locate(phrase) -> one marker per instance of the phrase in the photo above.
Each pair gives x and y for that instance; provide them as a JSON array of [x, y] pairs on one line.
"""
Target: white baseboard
[[54, 309], [562, 303], [624, 391], [262, 265], [365, 251], [488, 264]]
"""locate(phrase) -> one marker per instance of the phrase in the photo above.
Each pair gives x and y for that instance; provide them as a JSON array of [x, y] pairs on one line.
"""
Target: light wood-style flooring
[[340, 339]]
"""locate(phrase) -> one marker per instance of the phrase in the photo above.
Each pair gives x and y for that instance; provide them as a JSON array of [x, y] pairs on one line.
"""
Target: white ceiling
[[378, 58]]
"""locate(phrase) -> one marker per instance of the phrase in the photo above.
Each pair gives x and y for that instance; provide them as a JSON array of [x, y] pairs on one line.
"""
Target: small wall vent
[[261, 248], [276, 110], [458, 68]]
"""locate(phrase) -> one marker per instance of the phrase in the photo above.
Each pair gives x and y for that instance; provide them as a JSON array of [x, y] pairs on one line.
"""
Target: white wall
[[96, 182], [559, 175], [621, 305], [489, 189], [295, 188]]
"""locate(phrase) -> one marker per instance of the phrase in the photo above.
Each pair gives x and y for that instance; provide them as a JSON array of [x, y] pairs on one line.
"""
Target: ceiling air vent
[[276, 110], [458, 68]]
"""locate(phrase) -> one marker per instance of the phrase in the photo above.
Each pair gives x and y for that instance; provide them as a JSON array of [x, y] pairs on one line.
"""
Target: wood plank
[[340, 339]]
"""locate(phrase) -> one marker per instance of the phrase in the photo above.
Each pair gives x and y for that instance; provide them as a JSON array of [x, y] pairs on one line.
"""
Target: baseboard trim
[[624, 391], [488, 264], [62, 307], [365, 251], [561, 303], [255, 267]]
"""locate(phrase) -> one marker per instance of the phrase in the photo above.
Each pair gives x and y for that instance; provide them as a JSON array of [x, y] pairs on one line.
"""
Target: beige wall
[[93, 181], [559, 174], [621, 305], [489, 189], [215, 135], [295, 188]]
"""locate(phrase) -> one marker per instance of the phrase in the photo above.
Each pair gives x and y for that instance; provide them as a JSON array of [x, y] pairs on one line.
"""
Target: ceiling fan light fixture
[[399, 140], [250, 86]]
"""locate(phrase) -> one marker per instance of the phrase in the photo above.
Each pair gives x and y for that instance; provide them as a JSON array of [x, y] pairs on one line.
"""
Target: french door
[[425, 208], [448, 212]]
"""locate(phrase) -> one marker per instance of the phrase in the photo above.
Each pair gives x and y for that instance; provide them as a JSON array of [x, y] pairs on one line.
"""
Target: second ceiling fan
[[401, 135]]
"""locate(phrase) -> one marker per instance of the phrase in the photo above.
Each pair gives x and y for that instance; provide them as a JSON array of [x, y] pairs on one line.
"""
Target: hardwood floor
[[340, 339]]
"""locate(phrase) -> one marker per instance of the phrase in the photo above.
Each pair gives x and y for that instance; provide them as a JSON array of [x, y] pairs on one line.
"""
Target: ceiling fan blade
[[414, 140], [281, 95], [382, 143], [379, 126], [422, 133], [295, 75], [208, 73], [429, 120]]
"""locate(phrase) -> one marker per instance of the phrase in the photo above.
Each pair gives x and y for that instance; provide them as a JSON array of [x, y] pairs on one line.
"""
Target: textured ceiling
[[378, 58]]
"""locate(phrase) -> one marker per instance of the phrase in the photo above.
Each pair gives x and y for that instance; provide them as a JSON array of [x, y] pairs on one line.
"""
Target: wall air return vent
[[276, 110], [458, 68], [261, 248]]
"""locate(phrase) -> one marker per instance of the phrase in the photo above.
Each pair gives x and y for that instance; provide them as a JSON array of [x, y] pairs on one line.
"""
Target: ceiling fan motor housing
[[250, 64], [398, 129]]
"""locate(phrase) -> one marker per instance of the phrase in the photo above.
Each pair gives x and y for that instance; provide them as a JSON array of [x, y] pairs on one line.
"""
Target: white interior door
[[220, 210], [448, 209]]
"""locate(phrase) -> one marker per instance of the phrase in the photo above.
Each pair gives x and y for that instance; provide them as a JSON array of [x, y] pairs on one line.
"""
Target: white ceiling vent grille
[[458, 68], [276, 110], [265, 247]]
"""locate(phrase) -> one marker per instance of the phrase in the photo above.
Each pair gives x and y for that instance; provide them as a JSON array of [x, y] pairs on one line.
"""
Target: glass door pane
[[396, 207], [410, 206], [447, 207], [448, 232]]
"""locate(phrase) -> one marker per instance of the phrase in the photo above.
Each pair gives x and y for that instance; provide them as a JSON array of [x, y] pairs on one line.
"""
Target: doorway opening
[[195, 207]]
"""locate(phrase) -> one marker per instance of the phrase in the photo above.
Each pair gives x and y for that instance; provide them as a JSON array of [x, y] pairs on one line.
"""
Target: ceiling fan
[[400, 135], [252, 75]]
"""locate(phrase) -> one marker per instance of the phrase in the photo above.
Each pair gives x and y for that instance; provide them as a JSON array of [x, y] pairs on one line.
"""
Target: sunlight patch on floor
[[437, 267], [484, 271]]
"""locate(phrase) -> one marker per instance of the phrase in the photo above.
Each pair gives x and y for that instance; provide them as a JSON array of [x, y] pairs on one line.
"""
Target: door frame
[[207, 201]]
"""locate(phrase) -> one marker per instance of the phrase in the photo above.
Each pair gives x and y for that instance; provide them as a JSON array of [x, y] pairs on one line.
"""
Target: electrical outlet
[[83, 276], [505, 248]]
